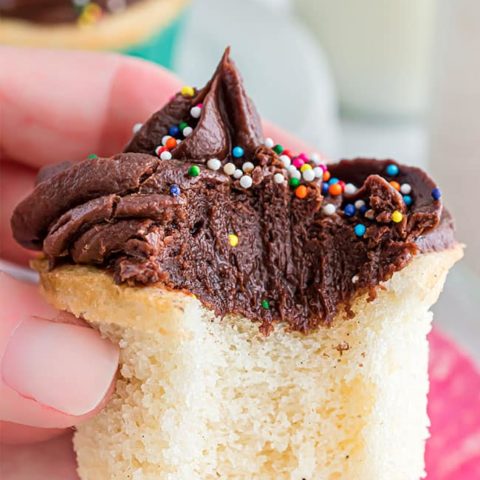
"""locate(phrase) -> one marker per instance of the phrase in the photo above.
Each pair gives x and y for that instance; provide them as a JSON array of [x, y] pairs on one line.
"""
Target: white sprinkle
[[359, 204], [355, 279], [179, 142], [315, 158], [136, 128], [318, 172], [405, 188], [229, 168], [247, 167], [187, 131], [350, 189], [195, 112], [165, 138], [308, 175], [237, 173], [269, 143], [246, 181], [278, 178], [286, 160], [293, 172], [166, 155], [214, 164], [80, 3], [329, 209]]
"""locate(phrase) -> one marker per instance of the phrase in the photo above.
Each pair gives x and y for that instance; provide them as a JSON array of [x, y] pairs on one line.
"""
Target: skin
[[57, 106]]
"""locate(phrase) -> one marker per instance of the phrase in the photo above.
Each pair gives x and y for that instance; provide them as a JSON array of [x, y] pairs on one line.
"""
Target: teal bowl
[[160, 48]]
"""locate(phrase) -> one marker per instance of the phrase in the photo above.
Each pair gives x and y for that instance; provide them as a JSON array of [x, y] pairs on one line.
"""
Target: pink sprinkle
[[200, 105], [323, 167], [298, 162], [159, 150], [303, 156]]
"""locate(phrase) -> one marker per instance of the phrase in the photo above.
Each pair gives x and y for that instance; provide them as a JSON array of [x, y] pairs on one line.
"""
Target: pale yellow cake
[[132, 26], [198, 397]]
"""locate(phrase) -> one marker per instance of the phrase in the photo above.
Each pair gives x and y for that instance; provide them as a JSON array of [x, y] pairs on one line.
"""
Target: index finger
[[63, 105]]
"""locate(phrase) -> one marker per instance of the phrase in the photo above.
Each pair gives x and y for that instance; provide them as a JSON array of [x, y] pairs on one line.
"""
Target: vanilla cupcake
[[271, 310], [144, 28]]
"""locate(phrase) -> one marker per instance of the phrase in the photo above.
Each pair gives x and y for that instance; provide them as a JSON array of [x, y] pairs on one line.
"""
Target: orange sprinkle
[[172, 143], [301, 191], [395, 185], [335, 189], [326, 176]]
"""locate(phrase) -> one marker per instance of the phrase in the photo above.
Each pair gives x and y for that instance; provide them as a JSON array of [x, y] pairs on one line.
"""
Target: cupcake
[[144, 28], [271, 310]]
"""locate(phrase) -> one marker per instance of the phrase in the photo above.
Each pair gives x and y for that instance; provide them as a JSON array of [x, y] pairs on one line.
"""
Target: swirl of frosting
[[228, 118], [263, 248]]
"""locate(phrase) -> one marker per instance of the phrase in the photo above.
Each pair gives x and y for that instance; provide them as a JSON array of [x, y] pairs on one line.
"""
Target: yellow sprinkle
[[85, 20], [90, 14], [305, 166], [92, 9], [187, 91], [397, 217], [233, 239]]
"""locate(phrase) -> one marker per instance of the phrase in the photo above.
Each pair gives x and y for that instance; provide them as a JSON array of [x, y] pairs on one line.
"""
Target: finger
[[16, 434], [85, 103], [53, 374], [64, 105], [51, 460], [16, 181]]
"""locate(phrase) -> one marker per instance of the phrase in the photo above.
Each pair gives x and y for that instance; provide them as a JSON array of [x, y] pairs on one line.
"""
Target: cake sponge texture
[[198, 397]]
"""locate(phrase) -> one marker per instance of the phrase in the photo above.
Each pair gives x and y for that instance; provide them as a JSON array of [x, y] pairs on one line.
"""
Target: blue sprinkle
[[363, 209], [436, 193], [173, 131], [359, 230], [408, 200], [392, 170], [333, 180], [174, 190], [324, 188], [237, 152], [349, 210]]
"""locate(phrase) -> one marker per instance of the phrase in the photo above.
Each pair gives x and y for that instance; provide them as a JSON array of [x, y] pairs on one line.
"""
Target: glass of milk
[[380, 51]]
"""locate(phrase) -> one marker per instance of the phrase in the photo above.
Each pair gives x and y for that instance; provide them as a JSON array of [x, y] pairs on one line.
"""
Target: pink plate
[[453, 451]]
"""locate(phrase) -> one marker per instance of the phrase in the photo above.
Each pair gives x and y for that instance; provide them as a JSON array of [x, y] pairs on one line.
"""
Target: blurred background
[[397, 78]]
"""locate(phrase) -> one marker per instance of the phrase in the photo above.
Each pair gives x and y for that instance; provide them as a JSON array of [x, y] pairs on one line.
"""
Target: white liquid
[[380, 51]]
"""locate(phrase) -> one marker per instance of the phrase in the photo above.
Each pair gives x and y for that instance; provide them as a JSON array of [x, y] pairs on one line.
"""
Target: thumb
[[52, 373]]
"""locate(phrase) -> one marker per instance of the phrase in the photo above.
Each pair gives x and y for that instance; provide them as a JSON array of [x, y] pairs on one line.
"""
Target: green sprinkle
[[266, 304], [278, 149], [294, 182], [194, 171], [182, 125], [92, 156]]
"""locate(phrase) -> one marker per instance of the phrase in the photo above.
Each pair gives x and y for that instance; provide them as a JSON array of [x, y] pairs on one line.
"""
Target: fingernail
[[66, 367]]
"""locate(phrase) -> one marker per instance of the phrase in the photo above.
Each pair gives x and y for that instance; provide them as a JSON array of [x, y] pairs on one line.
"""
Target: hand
[[55, 371]]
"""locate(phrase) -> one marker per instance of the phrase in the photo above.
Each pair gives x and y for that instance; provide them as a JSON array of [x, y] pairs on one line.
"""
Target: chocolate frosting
[[151, 221], [55, 11]]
